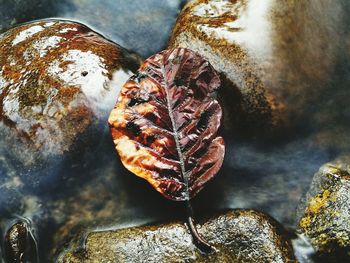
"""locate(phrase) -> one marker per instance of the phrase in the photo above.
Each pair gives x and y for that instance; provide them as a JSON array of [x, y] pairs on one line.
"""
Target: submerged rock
[[267, 49], [325, 212], [58, 82], [238, 236]]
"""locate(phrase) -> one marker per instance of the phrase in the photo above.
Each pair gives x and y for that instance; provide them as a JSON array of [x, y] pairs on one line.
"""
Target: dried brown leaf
[[166, 121]]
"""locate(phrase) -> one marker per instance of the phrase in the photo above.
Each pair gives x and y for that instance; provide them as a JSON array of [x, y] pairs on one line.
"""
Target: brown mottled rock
[[58, 82], [325, 212], [274, 52], [238, 236]]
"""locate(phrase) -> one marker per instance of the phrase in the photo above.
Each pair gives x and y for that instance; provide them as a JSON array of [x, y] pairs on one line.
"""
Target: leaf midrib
[[175, 133]]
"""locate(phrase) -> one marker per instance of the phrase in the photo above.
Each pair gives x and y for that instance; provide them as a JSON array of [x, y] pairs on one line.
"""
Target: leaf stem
[[200, 243]]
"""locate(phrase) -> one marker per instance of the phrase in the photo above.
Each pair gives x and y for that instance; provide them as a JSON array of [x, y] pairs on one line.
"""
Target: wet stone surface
[[210, 28], [238, 236], [267, 56], [58, 82], [20, 243], [325, 212]]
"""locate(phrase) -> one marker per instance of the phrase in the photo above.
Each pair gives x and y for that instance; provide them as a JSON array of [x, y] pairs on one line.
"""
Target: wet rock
[[20, 244], [325, 212], [267, 49], [58, 82], [239, 236]]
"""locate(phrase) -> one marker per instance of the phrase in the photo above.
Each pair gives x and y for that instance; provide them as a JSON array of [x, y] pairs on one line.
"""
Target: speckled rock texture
[[58, 82], [238, 236], [325, 212], [266, 53]]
